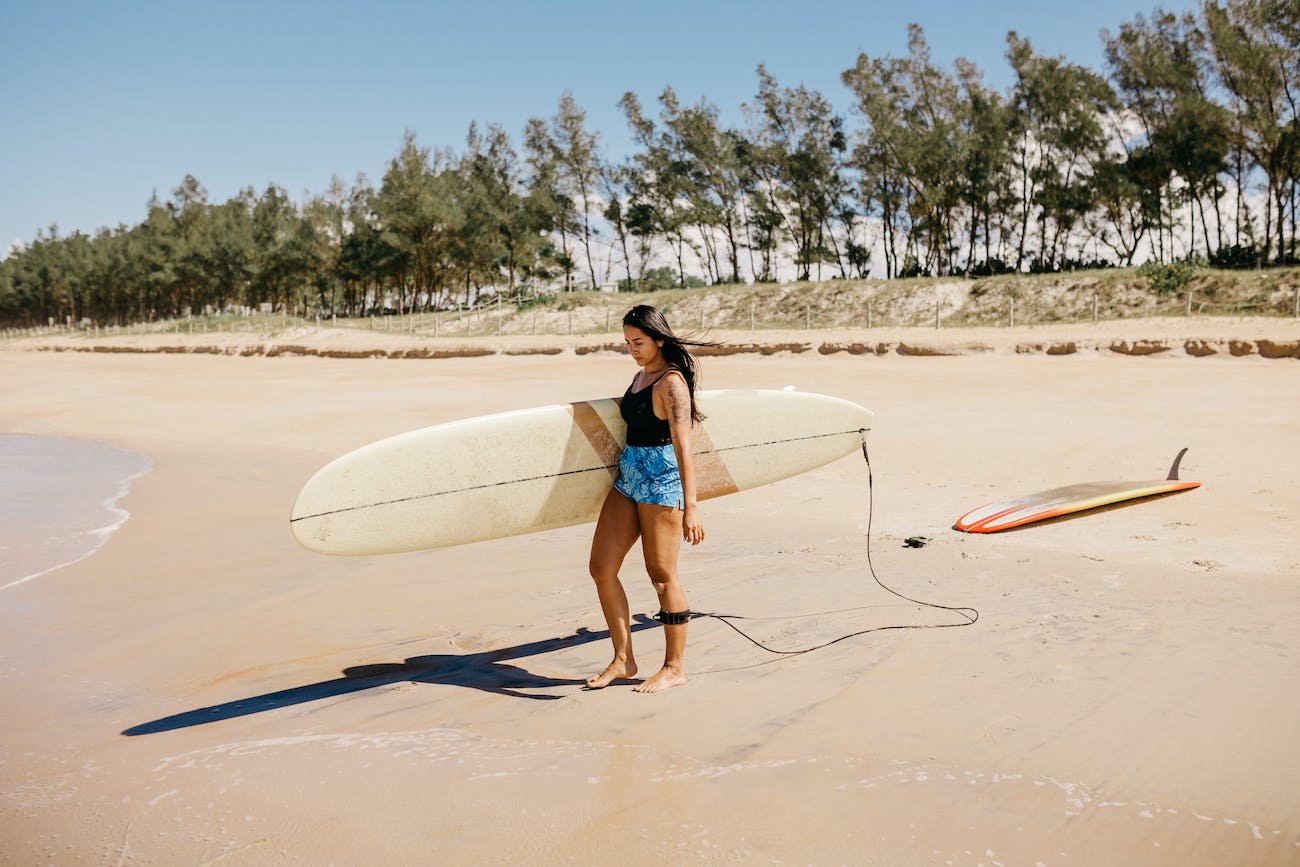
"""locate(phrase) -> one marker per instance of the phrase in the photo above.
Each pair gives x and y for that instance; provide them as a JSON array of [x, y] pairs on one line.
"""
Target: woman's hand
[[692, 527]]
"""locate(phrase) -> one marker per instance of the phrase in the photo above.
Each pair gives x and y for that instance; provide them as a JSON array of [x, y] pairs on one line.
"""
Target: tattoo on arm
[[679, 402]]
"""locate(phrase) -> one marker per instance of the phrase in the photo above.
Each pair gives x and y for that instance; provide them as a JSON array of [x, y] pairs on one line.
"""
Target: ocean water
[[59, 501]]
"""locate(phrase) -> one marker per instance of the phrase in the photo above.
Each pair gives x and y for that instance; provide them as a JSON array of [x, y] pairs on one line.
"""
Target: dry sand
[[203, 690]]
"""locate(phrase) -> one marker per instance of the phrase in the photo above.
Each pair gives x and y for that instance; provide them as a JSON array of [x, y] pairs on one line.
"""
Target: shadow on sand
[[484, 671]]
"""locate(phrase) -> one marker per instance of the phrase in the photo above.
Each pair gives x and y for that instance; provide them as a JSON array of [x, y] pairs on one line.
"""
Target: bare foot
[[612, 672], [665, 678]]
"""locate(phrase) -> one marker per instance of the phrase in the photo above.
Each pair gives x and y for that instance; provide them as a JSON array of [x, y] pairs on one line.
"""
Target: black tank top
[[644, 428]]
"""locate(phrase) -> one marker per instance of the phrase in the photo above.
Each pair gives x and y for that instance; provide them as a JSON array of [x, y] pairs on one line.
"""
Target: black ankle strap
[[672, 618]]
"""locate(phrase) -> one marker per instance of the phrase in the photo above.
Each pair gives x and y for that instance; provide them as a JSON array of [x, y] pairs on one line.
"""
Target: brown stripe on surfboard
[[712, 478], [593, 427]]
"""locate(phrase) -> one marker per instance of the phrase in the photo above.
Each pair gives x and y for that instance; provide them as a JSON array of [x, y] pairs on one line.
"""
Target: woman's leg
[[661, 539], [616, 531]]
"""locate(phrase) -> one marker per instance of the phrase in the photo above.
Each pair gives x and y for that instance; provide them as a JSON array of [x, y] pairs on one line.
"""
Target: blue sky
[[104, 103]]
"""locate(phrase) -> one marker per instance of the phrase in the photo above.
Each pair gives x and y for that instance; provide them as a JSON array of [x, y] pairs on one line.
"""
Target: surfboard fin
[[1173, 470]]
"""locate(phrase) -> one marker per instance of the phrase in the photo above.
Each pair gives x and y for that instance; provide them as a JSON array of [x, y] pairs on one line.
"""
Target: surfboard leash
[[967, 614]]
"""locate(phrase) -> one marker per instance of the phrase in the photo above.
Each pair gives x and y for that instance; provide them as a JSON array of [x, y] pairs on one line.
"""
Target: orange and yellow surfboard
[[1054, 503]]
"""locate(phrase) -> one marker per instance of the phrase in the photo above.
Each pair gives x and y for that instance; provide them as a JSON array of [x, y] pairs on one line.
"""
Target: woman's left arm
[[677, 402]]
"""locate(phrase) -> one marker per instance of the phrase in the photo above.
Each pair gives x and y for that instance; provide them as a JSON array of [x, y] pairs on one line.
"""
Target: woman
[[654, 496]]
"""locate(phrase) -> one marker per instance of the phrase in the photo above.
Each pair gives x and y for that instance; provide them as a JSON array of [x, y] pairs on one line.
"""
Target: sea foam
[[59, 501]]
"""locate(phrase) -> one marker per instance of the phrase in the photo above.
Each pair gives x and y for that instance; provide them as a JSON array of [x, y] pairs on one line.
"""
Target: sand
[[203, 690]]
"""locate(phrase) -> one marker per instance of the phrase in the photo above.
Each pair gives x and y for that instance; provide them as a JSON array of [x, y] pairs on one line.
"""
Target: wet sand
[[202, 688], [60, 501]]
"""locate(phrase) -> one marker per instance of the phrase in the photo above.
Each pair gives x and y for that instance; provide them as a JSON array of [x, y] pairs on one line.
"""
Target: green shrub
[[1167, 278], [659, 279]]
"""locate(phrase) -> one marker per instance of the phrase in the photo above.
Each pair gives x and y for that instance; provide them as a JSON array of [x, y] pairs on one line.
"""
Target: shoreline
[[1198, 337], [60, 528]]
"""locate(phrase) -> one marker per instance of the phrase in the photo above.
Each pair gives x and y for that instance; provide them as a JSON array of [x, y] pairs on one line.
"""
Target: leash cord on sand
[[968, 615]]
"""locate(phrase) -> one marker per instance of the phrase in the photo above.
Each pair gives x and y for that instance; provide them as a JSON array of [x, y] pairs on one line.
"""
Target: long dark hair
[[652, 321]]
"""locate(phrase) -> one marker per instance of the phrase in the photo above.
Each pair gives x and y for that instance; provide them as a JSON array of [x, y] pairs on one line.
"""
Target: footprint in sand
[[1000, 728]]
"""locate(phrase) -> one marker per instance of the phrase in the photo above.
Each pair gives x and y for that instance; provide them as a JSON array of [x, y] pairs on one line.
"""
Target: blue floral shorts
[[648, 474]]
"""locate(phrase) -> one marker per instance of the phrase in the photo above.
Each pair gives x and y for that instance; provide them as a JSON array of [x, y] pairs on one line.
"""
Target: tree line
[[1186, 147]]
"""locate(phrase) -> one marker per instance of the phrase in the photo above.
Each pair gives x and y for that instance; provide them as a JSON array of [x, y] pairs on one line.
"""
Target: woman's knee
[[601, 570], [660, 576]]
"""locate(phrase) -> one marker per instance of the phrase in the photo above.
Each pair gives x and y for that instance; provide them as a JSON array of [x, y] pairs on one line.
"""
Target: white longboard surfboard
[[539, 469]]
